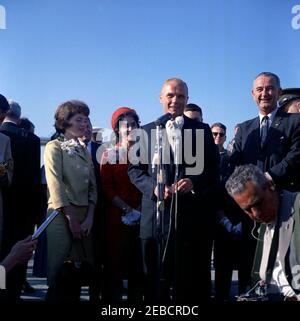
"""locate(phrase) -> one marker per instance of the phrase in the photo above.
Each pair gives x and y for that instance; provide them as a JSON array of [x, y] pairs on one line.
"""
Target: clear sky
[[112, 53]]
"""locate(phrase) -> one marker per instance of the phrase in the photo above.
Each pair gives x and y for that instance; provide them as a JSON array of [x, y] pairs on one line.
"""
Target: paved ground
[[40, 287]]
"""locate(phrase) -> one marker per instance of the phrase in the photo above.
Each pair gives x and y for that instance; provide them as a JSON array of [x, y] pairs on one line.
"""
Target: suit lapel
[[285, 235], [82, 152], [273, 128], [251, 139]]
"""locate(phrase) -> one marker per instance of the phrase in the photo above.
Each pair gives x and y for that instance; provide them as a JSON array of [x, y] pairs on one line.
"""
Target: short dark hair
[[219, 125], [269, 74], [4, 105], [66, 111], [122, 116], [26, 124], [193, 107]]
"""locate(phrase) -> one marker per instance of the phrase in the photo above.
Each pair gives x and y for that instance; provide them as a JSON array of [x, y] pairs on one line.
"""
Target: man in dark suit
[[272, 142], [97, 288], [279, 154], [22, 208], [4, 107], [186, 236]]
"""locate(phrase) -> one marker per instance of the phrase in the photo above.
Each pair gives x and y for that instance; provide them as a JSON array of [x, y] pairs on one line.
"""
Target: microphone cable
[[174, 196]]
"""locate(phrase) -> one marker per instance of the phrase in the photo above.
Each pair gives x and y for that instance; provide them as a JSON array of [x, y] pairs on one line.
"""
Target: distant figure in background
[[6, 163], [6, 173], [227, 234], [5, 160], [289, 100], [89, 141], [22, 209], [193, 111], [97, 135], [4, 107], [98, 230], [28, 128], [231, 143], [27, 125], [219, 134]]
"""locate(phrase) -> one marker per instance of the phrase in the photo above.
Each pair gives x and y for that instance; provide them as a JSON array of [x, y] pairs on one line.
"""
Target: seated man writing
[[277, 258]]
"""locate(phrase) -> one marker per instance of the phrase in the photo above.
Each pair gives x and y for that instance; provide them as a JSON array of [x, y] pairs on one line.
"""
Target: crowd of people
[[151, 205]]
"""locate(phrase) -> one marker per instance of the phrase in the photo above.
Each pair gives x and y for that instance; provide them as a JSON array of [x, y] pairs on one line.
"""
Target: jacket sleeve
[[140, 177], [140, 174], [289, 167], [210, 174]]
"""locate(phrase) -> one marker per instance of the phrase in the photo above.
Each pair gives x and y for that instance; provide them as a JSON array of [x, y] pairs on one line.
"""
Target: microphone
[[163, 119], [174, 135]]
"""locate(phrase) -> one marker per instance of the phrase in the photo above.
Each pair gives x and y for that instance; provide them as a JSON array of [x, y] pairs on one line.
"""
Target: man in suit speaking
[[186, 233]]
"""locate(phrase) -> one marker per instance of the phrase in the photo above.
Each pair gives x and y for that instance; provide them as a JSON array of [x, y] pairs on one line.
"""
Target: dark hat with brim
[[287, 95]]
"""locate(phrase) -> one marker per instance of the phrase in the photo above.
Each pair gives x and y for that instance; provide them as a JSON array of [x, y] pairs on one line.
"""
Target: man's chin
[[175, 113], [266, 109]]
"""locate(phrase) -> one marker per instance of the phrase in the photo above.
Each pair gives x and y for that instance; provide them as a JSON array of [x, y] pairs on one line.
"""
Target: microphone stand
[[160, 182], [176, 161]]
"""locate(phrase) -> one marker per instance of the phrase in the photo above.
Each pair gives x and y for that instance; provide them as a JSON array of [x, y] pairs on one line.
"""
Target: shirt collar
[[270, 115]]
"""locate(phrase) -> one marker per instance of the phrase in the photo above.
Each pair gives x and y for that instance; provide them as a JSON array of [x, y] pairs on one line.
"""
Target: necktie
[[264, 130]]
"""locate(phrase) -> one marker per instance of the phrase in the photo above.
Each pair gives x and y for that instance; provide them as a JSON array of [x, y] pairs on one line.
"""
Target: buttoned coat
[[71, 181], [281, 153], [188, 253], [70, 178]]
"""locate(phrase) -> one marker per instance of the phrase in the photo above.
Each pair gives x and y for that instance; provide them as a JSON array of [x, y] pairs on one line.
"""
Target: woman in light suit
[[72, 191]]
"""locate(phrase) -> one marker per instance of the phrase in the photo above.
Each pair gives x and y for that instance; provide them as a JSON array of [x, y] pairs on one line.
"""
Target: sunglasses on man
[[220, 134]]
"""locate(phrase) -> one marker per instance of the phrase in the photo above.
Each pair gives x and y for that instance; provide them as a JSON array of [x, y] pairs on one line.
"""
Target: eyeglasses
[[220, 134]]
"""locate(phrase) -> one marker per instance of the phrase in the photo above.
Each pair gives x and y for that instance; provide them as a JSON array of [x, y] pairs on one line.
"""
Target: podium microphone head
[[163, 119]]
